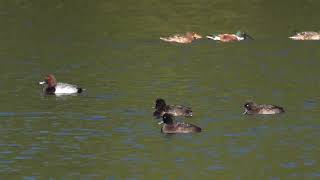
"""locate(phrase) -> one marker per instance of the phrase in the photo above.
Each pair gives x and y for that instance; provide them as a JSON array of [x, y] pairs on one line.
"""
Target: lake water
[[112, 49]]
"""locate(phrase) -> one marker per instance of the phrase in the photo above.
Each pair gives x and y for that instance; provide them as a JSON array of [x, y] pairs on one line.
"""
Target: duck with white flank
[[51, 86]]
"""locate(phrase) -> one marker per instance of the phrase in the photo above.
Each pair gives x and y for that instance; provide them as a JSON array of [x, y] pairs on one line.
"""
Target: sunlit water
[[112, 49]]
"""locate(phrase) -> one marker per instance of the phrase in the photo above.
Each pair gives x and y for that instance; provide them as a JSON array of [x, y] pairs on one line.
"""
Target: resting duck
[[307, 35], [57, 88], [182, 38], [170, 127], [239, 36], [253, 108], [175, 110]]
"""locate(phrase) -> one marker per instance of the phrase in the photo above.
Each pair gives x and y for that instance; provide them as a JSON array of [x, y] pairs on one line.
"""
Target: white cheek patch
[[42, 82]]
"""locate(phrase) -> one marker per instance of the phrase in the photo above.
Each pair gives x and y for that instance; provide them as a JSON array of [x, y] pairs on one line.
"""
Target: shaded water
[[111, 48]]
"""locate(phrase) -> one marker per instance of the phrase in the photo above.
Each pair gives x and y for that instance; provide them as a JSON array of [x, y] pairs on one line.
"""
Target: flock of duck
[[167, 112], [52, 87], [238, 36]]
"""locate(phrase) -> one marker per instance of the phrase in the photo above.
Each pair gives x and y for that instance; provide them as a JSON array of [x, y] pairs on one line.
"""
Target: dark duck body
[[171, 127], [175, 110], [253, 108]]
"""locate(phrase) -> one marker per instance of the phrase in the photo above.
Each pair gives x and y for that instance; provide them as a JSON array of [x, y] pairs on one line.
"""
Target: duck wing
[[186, 128], [179, 110], [272, 108], [177, 38]]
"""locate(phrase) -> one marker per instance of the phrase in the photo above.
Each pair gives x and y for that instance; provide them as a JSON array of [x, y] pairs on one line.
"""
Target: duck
[[175, 110], [306, 35], [253, 108], [239, 36], [171, 127], [186, 38], [52, 87]]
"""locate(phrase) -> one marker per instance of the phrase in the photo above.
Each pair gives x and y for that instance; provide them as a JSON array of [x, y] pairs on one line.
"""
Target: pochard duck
[[51, 86]]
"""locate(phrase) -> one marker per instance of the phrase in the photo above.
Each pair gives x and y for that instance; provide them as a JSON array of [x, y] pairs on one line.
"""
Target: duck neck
[[168, 121], [161, 107]]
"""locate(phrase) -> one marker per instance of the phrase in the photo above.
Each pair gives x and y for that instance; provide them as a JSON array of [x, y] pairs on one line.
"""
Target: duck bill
[[245, 112], [161, 122], [42, 82]]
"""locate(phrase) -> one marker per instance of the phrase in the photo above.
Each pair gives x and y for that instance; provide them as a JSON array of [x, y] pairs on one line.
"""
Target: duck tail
[[197, 129], [80, 90]]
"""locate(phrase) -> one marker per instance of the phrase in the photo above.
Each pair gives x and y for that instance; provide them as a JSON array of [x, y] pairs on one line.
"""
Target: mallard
[[182, 38], [239, 36], [253, 108], [307, 35]]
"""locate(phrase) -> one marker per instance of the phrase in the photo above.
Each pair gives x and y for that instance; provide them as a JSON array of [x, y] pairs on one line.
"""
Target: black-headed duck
[[253, 108], [171, 127], [175, 110]]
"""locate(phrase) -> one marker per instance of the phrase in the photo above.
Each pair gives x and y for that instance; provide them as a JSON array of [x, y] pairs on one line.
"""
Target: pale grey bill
[[245, 111]]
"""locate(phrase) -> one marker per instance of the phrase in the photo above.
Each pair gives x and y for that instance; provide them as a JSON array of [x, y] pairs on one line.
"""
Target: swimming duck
[[239, 36], [182, 38], [175, 110], [54, 87], [307, 35], [170, 127], [253, 108]]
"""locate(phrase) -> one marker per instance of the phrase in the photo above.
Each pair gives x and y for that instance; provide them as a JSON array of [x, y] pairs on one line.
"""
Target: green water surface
[[112, 49]]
